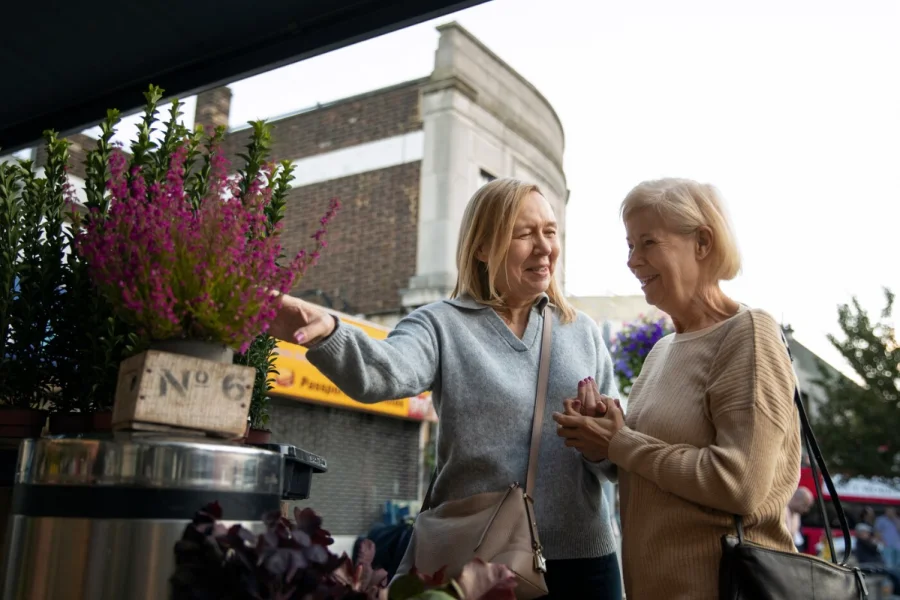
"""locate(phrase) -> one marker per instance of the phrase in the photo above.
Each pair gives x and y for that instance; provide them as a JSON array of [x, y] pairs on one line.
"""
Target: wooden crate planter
[[162, 390]]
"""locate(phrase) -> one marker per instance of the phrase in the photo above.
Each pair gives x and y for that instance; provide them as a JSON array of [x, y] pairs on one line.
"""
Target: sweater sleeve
[[369, 370], [606, 383], [604, 469], [750, 394]]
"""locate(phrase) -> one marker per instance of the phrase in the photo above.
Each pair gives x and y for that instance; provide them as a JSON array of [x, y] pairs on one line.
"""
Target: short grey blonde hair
[[686, 205], [488, 224]]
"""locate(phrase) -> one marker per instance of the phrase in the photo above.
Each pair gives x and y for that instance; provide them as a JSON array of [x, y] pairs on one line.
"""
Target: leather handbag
[[750, 571], [497, 527]]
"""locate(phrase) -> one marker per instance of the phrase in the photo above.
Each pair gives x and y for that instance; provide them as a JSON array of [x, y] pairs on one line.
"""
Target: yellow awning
[[298, 378]]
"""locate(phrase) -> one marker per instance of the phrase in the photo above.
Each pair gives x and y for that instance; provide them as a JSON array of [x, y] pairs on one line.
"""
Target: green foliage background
[[858, 427]]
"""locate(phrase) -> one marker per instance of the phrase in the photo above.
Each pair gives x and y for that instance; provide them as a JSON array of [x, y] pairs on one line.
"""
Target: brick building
[[404, 161]]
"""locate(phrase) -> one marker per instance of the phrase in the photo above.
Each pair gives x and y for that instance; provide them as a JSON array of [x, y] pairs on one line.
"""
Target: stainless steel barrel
[[98, 519]]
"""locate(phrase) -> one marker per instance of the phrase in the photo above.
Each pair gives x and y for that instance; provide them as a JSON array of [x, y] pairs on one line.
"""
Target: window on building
[[485, 177]]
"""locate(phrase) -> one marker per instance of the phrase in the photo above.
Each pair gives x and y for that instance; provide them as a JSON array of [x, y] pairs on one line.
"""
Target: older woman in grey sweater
[[478, 353]]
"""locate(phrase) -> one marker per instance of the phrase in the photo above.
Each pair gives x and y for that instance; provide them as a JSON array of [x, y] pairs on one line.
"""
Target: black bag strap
[[817, 466]]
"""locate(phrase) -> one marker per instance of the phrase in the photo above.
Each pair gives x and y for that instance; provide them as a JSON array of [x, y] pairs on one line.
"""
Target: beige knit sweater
[[711, 431]]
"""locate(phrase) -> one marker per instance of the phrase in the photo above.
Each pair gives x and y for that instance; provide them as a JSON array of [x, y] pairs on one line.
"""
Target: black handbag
[[749, 571]]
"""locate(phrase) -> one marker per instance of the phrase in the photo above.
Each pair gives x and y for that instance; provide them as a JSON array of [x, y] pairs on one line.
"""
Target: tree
[[858, 427]]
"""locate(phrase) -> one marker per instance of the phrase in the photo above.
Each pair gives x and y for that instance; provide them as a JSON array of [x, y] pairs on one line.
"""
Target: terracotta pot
[[101, 421], [21, 422], [258, 436], [70, 423]]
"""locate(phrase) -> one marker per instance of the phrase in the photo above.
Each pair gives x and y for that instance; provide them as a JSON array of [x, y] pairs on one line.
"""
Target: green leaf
[[435, 595], [406, 587]]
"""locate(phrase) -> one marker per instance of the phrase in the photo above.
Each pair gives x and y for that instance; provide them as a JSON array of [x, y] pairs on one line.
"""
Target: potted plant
[[260, 354], [90, 340], [72, 370], [32, 216], [61, 343], [292, 561], [632, 345], [188, 257]]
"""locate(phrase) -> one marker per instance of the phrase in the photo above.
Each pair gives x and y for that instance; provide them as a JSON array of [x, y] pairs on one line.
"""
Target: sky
[[790, 107]]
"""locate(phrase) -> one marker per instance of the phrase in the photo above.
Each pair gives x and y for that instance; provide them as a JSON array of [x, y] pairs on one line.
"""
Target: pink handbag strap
[[537, 421]]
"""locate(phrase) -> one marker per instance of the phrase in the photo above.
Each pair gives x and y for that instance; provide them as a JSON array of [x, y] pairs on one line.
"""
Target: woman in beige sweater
[[711, 429]]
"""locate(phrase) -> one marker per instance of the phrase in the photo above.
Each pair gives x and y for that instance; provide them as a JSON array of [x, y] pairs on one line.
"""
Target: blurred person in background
[[800, 504], [867, 549], [867, 516], [887, 527]]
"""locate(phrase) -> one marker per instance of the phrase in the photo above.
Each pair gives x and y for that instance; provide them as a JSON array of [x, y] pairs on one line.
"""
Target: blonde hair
[[488, 224], [687, 205]]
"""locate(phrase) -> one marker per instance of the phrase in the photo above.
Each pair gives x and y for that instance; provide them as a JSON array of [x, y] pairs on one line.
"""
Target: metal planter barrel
[[96, 519]]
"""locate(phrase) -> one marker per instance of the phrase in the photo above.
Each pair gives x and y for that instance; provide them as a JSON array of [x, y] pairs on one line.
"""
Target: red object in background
[[807, 480], [855, 494], [812, 534]]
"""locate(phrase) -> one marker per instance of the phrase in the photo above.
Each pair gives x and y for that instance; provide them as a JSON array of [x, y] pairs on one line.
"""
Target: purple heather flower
[[174, 271], [632, 345]]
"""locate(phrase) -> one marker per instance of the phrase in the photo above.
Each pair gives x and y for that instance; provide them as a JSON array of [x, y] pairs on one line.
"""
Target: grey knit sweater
[[483, 380]]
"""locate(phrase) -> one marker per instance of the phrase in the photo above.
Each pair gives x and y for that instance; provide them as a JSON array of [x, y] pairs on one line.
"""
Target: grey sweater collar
[[467, 301]]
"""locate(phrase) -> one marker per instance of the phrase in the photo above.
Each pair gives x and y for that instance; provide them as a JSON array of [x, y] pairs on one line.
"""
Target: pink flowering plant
[[187, 251]]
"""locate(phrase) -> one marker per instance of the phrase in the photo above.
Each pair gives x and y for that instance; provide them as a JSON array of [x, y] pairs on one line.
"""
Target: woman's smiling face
[[533, 252], [665, 262]]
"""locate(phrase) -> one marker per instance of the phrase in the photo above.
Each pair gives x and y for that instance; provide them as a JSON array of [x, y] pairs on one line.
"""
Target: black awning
[[65, 63]]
